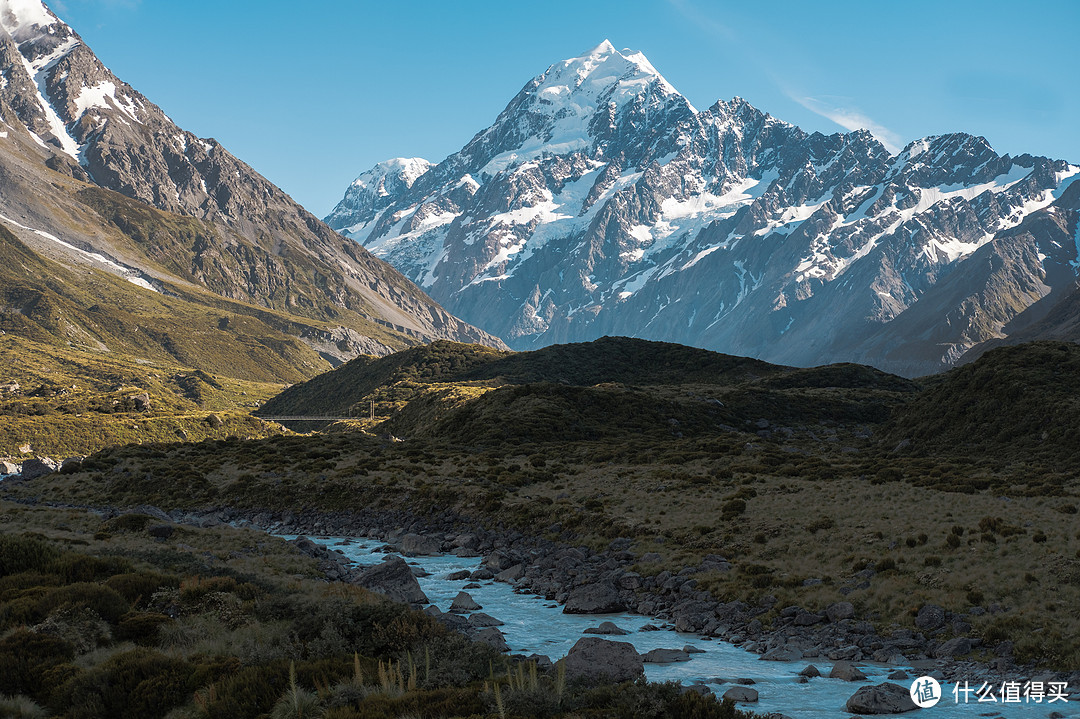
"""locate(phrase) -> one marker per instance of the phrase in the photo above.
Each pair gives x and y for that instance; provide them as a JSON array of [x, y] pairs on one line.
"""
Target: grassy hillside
[[1018, 404], [59, 402]]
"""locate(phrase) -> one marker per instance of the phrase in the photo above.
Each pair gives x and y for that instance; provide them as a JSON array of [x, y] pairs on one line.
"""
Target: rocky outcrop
[[594, 658], [464, 602], [594, 598], [394, 580], [37, 467], [886, 698]]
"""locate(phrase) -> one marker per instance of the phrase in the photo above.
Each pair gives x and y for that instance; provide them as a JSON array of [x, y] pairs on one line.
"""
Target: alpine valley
[[601, 202]]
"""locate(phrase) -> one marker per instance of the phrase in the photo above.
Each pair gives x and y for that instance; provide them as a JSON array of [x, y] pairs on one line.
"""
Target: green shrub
[[26, 656], [24, 553], [136, 586], [138, 683]]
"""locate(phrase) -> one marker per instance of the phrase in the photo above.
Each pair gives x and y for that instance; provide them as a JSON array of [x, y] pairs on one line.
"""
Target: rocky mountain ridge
[[85, 157], [601, 202]]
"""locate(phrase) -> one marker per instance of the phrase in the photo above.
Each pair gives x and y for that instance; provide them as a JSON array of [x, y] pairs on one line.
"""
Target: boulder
[[417, 545], [492, 637], [691, 649], [511, 575], [887, 698], [458, 575], [394, 580], [37, 467], [810, 672], [9, 468], [840, 611], [785, 653], [141, 402], [741, 694], [665, 656], [71, 464], [214, 421], [482, 574], [595, 598], [608, 628], [595, 658], [481, 620], [847, 671], [464, 602], [930, 617], [955, 647], [899, 675]]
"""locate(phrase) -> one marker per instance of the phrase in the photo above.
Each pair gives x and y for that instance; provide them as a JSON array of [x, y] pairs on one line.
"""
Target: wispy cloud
[[703, 21], [850, 118]]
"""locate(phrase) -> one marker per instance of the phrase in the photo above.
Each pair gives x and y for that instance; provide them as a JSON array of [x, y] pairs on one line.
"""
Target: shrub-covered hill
[[617, 360], [1019, 403]]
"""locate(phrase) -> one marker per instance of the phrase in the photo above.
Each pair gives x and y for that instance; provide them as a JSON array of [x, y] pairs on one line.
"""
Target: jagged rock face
[[257, 244], [601, 202]]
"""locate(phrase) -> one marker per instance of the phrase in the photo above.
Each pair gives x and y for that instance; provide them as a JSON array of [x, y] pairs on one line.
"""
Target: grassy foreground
[[132, 617]]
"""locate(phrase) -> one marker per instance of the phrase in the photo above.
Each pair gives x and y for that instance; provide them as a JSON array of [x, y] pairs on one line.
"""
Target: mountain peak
[[23, 19]]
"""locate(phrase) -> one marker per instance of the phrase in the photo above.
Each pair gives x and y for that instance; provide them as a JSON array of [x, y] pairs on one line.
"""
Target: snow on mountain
[[601, 202], [65, 112]]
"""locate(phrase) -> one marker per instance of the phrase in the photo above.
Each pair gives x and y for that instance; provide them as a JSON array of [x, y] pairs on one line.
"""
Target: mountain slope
[[601, 202], [84, 159]]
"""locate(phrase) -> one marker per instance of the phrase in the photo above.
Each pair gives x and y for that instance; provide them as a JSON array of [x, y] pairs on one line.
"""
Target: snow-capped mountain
[[602, 202], [71, 127]]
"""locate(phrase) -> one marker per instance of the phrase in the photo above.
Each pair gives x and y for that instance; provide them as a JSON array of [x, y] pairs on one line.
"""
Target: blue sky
[[313, 93]]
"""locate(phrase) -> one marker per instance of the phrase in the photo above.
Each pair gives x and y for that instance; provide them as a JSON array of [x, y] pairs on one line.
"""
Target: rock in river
[[595, 598], [393, 579], [887, 698], [594, 658]]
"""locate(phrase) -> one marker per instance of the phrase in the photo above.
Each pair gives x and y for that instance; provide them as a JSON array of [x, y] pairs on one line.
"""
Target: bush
[[138, 683], [26, 656], [25, 553], [141, 585]]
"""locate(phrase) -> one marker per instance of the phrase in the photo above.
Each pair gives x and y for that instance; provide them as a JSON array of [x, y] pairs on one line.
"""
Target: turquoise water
[[533, 625]]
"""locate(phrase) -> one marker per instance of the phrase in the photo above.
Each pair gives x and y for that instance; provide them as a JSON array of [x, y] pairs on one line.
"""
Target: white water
[[533, 625]]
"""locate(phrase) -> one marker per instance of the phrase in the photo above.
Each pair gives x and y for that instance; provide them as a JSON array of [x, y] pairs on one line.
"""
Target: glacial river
[[533, 625]]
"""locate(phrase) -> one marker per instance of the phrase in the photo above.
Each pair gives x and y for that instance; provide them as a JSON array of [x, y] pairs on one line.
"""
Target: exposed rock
[[887, 698], [665, 656], [214, 421], [810, 672], [847, 671], [785, 653], [9, 468], [458, 575], [482, 574], [958, 646], [595, 598], [839, 611], [70, 465], [691, 649], [492, 637], [510, 575], [464, 602], [595, 658], [141, 402], [898, 675], [480, 620], [741, 694], [930, 617], [37, 467], [608, 628], [393, 579], [417, 545]]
